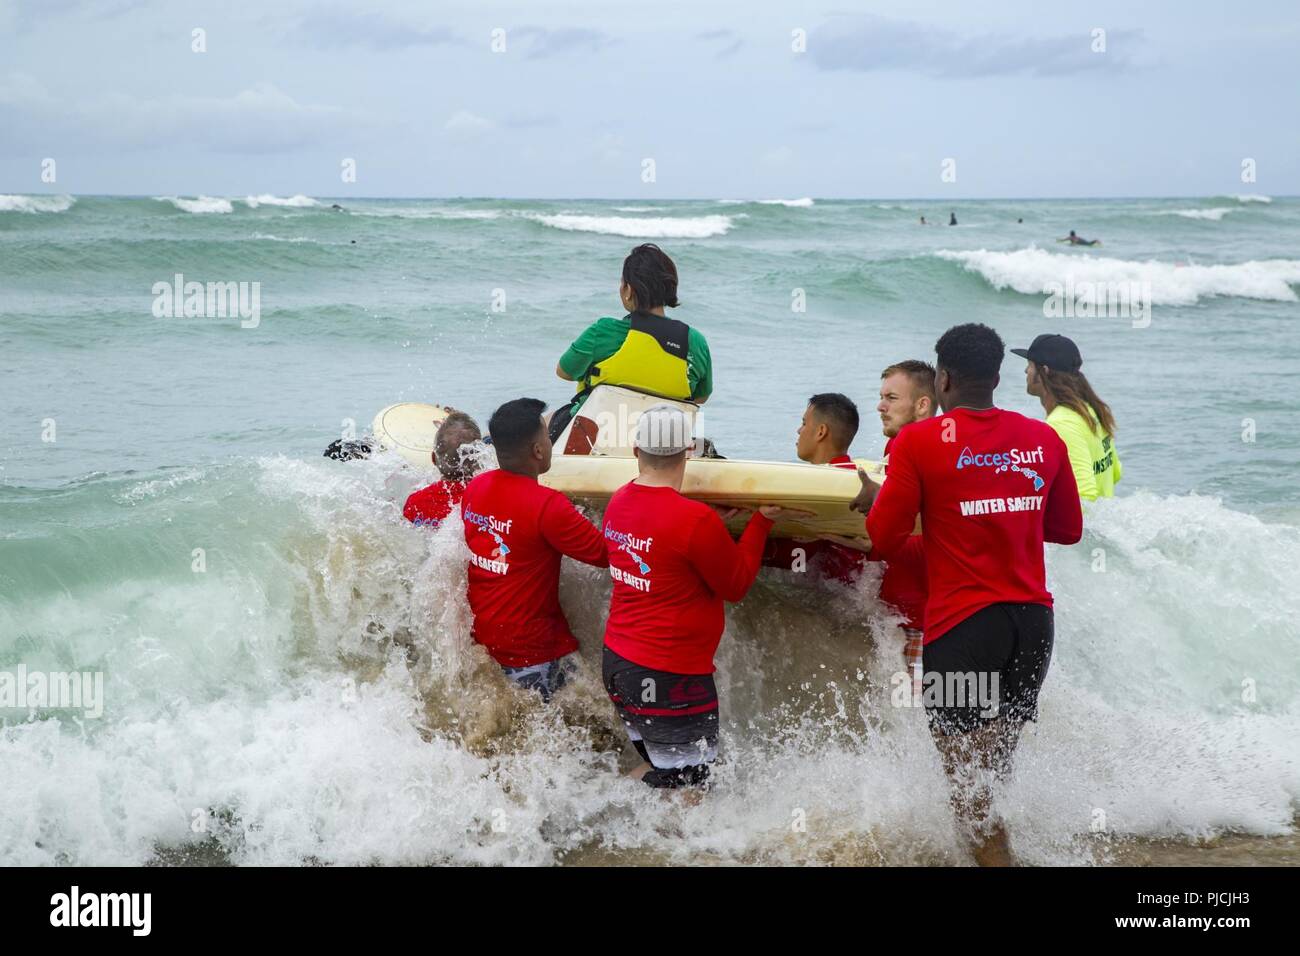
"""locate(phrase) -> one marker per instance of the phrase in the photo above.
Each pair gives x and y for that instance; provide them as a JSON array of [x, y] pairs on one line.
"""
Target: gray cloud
[[258, 120], [339, 27], [539, 42], [866, 43]]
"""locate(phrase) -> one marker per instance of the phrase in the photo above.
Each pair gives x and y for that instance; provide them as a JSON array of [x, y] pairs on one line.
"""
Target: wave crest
[[1034, 271]]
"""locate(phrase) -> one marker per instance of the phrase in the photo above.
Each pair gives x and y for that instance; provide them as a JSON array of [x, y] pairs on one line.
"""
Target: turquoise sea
[[166, 518]]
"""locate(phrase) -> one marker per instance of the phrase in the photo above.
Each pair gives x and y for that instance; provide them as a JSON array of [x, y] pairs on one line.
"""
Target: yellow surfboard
[[409, 428]]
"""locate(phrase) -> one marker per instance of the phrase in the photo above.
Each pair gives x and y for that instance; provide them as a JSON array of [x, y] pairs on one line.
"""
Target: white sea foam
[[202, 204], [255, 708], [794, 203], [297, 202], [267, 237], [1215, 214], [1035, 271], [34, 204], [426, 212], [695, 227]]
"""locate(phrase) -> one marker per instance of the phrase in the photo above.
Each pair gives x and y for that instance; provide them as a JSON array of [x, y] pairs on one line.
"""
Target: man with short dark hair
[[517, 531], [990, 486], [430, 505], [828, 427]]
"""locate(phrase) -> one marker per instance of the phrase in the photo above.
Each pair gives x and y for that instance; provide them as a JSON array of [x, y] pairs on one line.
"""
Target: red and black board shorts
[[671, 719]]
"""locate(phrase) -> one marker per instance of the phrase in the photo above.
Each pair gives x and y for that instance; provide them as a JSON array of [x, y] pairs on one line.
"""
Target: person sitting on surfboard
[[517, 531], [1074, 240], [429, 506], [828, 427], [1084, 422], [673, 565], [644, 350]]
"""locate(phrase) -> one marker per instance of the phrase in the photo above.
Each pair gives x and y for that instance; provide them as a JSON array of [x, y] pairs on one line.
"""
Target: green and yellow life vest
[[653, 358]]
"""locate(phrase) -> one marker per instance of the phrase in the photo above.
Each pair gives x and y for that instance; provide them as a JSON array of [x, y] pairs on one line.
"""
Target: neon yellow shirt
[[1093, 455]]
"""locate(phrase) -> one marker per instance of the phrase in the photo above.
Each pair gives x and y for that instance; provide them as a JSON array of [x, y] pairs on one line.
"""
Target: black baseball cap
[[1053, 351]]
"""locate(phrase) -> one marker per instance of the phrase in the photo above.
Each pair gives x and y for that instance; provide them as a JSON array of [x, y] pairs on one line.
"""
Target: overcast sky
[[713, 92]]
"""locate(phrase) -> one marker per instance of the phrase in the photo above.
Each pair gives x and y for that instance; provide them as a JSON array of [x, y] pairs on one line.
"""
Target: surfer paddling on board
[[455, 463], [1074, 240], [517, 532], [673, 565], [644, 350], [991, 486]]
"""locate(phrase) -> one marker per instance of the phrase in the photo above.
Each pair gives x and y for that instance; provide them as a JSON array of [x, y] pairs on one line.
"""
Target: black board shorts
[[990, 665], [671, 719]]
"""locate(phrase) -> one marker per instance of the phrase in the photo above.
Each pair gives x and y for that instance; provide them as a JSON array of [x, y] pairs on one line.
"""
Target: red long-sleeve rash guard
[[673, 565], [990, 486], [517, 530]]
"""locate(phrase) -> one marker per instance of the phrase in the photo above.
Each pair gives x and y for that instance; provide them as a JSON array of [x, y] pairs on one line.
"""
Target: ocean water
[[288, 675]]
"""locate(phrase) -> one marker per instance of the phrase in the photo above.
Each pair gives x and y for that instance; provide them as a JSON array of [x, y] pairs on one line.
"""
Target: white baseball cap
[[663, 430]]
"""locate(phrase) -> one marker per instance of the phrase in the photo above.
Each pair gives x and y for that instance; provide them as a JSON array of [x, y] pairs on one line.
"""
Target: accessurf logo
[[1013, 460]]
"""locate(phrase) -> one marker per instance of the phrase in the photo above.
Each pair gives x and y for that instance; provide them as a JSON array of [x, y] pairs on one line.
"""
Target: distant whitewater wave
[[425, 212], [793, 203], [1215, 214], [267, 237], [203, 204], [298, 202], [697, 227], [1035, 271], [34, 204]]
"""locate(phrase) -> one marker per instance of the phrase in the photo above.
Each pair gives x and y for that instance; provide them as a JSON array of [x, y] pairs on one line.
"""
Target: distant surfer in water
[[644, 350], [991, 486], [455, 463], [1074, 240]]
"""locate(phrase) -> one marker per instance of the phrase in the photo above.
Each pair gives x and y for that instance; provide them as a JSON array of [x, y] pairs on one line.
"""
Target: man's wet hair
[[971, 353], [456, 430], [921, 374], [651, 276], [840, 414], [515, 425]]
